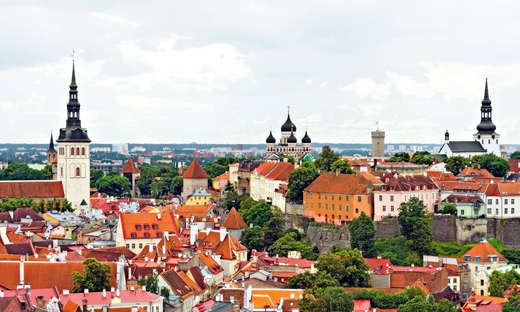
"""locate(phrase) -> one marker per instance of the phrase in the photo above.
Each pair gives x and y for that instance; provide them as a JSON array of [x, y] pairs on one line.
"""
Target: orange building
[[338, 198]]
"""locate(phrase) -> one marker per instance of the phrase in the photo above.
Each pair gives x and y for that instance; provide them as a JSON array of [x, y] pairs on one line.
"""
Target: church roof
[[130, 167], [234, 221], [31, 189], [466, 147], [288, 125], [195, 171]]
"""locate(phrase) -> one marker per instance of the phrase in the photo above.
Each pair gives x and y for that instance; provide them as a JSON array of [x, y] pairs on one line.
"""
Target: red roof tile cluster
[[378, 266], [475, 172], [211, 242], [483, 250], [280, 172], [409, 182], [338, 184], [195, 171], [97, 298], [147, 225], [210, 263], [177, 284], [130, 167], [31, 189], [224, 176], [234, 221]]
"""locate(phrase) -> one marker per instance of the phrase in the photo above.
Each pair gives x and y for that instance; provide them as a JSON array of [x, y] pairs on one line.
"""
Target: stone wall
[[387, 228], [505, 230], [470, 230], [325, 237], [443, 228], [294, 209], [300, 223]]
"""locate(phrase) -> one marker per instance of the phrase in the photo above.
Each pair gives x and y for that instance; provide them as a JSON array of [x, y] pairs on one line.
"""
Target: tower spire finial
[[288, 110], [486, 93], [73, 79]]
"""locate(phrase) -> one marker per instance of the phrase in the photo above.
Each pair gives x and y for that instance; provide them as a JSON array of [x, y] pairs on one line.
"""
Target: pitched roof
[[210, 263], [378, 266], [466, 147], [153, 225], [31, 189], [483, 250], [264, 168], [177, 284], [97, 298], [195, 171], [280, 172], [224, 176], [234, 221], [470, 171], [338, 184], [411, 182], [130, 167]]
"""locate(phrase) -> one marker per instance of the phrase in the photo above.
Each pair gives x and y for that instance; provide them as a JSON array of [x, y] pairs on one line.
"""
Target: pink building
[[400, 188]]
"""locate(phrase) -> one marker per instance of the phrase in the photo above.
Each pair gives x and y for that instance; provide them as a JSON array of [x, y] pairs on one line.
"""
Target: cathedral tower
[[486, 134], [74, 154]]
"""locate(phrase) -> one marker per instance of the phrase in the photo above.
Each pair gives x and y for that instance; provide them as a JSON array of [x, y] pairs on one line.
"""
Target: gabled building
[[468, 206], [115, 299], [400, 188], [136, 230], [177, 286], [132, 173], [199, 197], [503, 200], [338, 198], [194, 178], [234, 223]]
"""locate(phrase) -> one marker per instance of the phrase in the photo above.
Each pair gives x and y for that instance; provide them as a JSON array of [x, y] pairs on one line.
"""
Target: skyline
[[180, 72]]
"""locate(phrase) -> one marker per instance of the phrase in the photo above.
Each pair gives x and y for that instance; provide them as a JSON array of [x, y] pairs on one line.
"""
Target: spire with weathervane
[[486, 125]]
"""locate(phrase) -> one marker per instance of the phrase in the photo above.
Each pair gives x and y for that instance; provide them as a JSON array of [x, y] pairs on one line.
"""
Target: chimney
[[104, 293], [84, 304], [129, 272], [164, 249], [337, 172], [159, 216], [22, 266], [167, 235], [194, 228], [143, 288], [117, 292], [150, 247], [112, 289], [222, 234]]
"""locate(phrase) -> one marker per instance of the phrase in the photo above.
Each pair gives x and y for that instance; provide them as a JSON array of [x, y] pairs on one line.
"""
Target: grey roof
[[466, 147]]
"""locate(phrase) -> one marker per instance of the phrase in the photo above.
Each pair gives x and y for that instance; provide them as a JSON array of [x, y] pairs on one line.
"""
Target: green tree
[[114, 185], [362, 233], [258, 214], [300, 178], [94, 277], [231, 200], [214, 170], [497, 284], [418, 304], [455, 164], [288, 242], [415, 225], [496, 165], [308, 280], [273, 228], [343, 165], [327, 299], [449, 208], [422, 158], [176, 185], [95, 175], [325, 160], [347, 266], [252, 238], [513, 304], [151, 281], [19, 171], [400, 157], [515, 155]]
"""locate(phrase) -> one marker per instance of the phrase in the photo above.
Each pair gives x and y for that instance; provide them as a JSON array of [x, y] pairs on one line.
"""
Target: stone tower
[[74, 154], [378, 143]]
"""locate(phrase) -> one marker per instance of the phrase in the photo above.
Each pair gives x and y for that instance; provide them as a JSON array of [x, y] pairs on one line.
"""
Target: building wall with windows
[[503, 201]]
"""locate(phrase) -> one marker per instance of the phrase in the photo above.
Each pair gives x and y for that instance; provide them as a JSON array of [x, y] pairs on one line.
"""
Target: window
[[138, 227], [326, 206], [490, 201], [477, 259], [512, 210], [426, 195], [481, 282], [391, 197], [512, 201], [331, 207], [391, 208], [82, 151], [332, 197], [466, 258], [505, 201], [496, 211], [505, 210], [147, 235], [404, 197], [496, 201], [454, 287], [77, 150], [155, 226], [72, 150], [465, 278], [359, 199], [489, 211], [140, 245], [357, 210], [61, 171], [346, 208], [77, 172], [326, 196], [312, 205], [319, 205], [462, 212], [127, 245], [319, 196], [159, 234], [380, 197], [339, 207], [133, 246], [465, 285], [339, 197], [384, 208]]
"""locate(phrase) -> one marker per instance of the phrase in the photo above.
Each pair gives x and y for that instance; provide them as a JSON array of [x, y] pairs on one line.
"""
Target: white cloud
[[366, 110], [116, 19], [241, 121], [308, 82], [149, 105], [366, 87], [314, 118], [261, 122], [7, 106], [324, 84]]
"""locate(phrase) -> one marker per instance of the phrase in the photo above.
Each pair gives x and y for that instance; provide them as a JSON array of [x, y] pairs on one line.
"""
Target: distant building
[[194, 178], [121, 148], [132, 173], [378, 143]]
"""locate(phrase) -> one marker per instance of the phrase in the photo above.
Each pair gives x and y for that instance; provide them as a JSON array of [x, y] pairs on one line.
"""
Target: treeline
[[44, 205], [19, 171]]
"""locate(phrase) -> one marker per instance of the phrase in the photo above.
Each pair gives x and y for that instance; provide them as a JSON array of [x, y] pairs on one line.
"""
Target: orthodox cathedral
[[288, 145], [485, 141]]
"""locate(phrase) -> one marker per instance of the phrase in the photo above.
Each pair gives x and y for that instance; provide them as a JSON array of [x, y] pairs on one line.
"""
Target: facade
[[267, 178], [485, 141], [199, 197], [288, 144], [193, 178], [378, 143], [400, 188], [338, 198], [482, 277], [468, 206], [503, 200], [74, 154]]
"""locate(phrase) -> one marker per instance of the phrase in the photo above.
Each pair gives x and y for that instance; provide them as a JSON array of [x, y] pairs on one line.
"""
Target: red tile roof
[[280, 172], [378, 266], [264, 168], [97, 298], [210, 263], [338, 184], [483, 250], [139, 225], [177, 284], [195, 171], [234, 221], [224, 176], [31, 189], [130, 167]]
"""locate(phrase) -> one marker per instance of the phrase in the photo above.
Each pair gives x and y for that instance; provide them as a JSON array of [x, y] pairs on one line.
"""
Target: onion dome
[[292, 138], [306, 138], [486, 126], [270, 138], [288, 125]]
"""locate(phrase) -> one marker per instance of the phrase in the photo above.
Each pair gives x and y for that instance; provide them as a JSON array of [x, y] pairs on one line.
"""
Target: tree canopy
[[496, 165], [346, 266], [94, 277], [19, 171], [114, 185], [290, 242], [326, 299], [343, 165], [515, 155], [362, 233], [300, 178], [455, 164], [308, 280], [400, 157], [326, 158], [422, 158], [414, 221]]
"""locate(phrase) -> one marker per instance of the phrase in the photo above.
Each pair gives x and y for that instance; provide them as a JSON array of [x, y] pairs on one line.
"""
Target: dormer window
[[138, 227], [133, 235], [155, 226], [467, 258], [147, 226], [159, 234], [477, 258], [146, 235]]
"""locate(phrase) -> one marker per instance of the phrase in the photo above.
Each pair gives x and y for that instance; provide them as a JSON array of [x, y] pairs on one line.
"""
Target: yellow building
[[199, 197]]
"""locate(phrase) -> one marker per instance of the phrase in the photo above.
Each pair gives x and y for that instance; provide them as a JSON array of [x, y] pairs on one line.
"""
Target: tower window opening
[[77, 150], [77, 172], [72, 150], [83, 151]]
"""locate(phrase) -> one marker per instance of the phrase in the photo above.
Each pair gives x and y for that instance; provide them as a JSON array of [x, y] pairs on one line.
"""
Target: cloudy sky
[[225, 71]]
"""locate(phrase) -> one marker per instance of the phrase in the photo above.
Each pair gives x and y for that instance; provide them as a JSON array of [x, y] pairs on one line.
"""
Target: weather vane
[[72, 55]]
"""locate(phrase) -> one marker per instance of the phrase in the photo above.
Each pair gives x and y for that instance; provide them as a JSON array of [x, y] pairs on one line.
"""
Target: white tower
[[486, 134], [74, 154]]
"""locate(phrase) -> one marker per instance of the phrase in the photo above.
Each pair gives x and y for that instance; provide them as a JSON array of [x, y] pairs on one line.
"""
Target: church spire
[[73, 107], [51, 144], [486, 125]]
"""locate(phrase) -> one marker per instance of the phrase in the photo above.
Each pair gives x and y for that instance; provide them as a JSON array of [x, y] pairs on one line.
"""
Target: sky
[[226, 71]]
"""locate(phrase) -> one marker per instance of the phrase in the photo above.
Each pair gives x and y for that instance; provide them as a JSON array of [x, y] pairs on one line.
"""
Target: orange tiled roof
[[280, 172], [212, 265], [481, 173], [177, 284], [195, 171], [130, 167], [421, 286], [234, 221], [369, 176], [483, 250], [508, 189], [136, 225], [31, 189], [264, 168], [55, 160], [224, 176], [338, 184]]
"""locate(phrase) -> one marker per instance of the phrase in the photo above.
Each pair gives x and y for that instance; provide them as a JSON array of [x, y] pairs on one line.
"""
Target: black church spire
[[486, 125]]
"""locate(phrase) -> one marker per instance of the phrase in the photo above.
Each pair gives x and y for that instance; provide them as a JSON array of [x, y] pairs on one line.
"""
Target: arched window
[[77, 150], [77, 172], [82, 151], [72, 150]]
